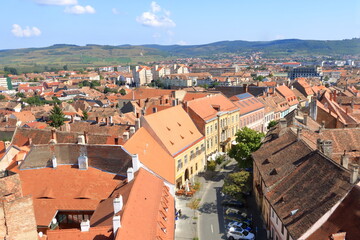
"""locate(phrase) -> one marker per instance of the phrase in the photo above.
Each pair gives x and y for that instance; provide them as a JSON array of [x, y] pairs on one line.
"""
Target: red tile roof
[[155, 219], [174, 134], [151, 154], [204, 107], [60, 188]]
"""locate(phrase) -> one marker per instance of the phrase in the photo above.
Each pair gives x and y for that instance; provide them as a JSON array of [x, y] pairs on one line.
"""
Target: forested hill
[[90, 55]]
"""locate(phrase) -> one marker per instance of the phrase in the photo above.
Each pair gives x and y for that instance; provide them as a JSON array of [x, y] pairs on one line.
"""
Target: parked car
[[232, 203], [238, 218], [242, 225], [239, 233], [232, 210]]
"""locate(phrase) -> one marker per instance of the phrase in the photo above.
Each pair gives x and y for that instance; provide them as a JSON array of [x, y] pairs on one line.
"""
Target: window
[[272, 213], [211, 142], [215, 126], [191, 170], [207, 143], [196, 167], [185, 159], [179, 165], [277, 220], [232, 119], [282, 228], [192, 154], [207, 130], [216, 140], [211, 128]]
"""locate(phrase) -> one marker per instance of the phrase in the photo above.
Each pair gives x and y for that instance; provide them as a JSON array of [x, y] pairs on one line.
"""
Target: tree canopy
[[247, 141], [271, 124], [85, 115], [236, 184], [56, 117]]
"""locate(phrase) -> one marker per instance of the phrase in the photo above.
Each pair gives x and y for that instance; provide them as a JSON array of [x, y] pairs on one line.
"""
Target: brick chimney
[[116, 140], [325, 146], [53, 136], [245, 88], [86, 137], [132, 131]]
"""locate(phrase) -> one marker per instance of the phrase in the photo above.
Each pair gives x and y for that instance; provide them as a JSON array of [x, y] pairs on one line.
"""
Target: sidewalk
[[186, 225]]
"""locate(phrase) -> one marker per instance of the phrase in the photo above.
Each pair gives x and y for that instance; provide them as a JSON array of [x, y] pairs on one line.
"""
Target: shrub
[[211, 165]]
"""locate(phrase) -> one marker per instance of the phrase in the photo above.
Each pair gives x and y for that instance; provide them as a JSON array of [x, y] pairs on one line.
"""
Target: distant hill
[[92, 54]]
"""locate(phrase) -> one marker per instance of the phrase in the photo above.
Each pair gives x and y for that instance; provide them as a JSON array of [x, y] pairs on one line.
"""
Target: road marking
[[212, 228]]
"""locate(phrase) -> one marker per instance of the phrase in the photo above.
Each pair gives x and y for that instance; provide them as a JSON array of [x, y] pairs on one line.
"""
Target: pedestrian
[[179, 212]]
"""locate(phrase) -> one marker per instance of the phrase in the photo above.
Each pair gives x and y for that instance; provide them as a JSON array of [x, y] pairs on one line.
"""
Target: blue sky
[[40, 23]]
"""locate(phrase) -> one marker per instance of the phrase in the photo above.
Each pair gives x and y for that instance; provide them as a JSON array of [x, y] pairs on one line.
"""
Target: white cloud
[[18, 31], [78, 9], [155, 7], [57, 2], [154, 18], [115, 11]]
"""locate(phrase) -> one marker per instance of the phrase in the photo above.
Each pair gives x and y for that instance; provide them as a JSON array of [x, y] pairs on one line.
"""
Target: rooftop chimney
[[118, 204], [298, 134], [283, 123], [313, 108], [305, 119], [354, 173], [86, 137], [116, 140], [137, 124], [325, 146], [135, 162], [154, 109], [85, 225], [97, 119], [345, 160], [81, 139], [54, 162], [53, 136], [116, 224], [126, 136], [245, 88], [130, 174], [83, 162], [132, 130], [111, 120]]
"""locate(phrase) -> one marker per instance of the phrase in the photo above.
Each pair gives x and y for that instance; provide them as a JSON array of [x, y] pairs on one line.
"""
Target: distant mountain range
[[92, 54]]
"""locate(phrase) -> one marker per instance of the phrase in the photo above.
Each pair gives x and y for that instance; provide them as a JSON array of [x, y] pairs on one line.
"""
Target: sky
[[41, 23]]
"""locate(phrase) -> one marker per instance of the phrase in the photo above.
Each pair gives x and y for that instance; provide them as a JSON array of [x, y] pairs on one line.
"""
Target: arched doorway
[[186, 174]]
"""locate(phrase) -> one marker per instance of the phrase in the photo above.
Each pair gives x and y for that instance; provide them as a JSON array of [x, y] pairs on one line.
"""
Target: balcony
[[223, 143]]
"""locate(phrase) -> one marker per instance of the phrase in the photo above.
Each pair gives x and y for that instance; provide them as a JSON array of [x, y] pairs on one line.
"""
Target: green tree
[[106, 90], [85, 115], [271, 124], [86, 83], [56, 117], [247, 141], [122, 91], [236, 184], [2, 97], [94, 83], [20, 94]]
